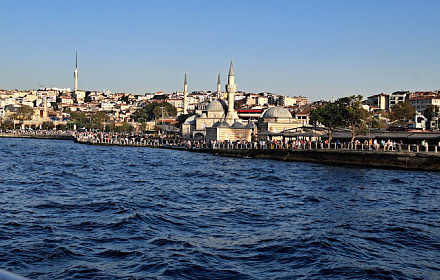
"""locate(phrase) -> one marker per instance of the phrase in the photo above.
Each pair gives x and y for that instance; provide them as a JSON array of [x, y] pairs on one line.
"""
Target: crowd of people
[[175, 141]]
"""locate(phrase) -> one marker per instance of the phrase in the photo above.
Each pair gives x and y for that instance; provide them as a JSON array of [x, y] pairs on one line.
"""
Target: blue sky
[[319, 49]]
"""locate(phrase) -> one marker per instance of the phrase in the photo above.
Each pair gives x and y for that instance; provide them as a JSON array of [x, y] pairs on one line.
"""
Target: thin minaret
[[231, 87], [219, 87], [75, 73], [185, 96]]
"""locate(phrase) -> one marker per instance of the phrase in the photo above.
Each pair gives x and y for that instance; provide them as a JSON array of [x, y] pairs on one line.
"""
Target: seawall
[[361, 158], [38, 136], [375, 159]]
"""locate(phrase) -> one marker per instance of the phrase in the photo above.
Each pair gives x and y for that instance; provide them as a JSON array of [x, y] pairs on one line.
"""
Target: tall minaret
[[75, 73], [219, 87], [231, 87], [185, 97]]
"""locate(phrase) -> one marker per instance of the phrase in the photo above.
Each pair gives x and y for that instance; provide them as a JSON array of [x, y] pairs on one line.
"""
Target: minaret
[[219, 89], [185, 97], [75, 73], [231, 87]]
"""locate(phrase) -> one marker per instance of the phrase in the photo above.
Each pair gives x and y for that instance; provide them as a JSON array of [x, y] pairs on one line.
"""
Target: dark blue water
[[71, 211]]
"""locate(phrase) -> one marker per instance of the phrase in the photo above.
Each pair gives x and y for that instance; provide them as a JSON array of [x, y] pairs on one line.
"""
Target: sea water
[[71, 211]]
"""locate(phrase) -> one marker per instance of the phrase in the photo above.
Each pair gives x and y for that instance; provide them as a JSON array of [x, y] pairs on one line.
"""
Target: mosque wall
[[234, 134]]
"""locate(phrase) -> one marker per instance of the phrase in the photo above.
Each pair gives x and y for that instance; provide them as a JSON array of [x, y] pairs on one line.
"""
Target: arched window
[[204, 125]]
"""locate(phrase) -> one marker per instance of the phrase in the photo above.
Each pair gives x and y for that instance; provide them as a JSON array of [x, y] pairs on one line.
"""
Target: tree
[[154, 110], [47, 125], [54, 105], [125, 99], [329, 115], [98, 119], [79, 119], [8, 124], [354, 116], [125, 127], [431, 111], [402, 112], [140, 115], [87, 97], [24, 113], [160, 97], [345, 112]]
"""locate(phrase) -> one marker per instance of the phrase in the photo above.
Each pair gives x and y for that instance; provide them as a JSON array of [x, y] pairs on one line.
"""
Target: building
[[397, 97], [276, 120], [420, 103], [380, 101], [219, 121]]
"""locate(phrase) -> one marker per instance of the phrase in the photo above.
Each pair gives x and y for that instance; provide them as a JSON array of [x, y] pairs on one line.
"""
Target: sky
[[318, 49]]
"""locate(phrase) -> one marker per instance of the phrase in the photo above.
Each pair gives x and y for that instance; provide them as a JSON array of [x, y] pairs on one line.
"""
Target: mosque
[[218, 121]]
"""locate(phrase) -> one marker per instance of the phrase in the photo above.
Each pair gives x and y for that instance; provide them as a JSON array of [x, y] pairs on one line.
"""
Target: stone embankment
[[376, 159], [55, 136]]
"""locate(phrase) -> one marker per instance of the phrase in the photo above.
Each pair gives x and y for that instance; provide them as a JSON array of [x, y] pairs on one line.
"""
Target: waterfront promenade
[[366, 154]]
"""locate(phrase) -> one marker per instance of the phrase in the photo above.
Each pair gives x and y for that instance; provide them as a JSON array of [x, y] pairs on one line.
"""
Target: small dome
[[203, 116], [217, 105], [250, 125], [191, 120], [238, 125], [277, 112], [221, 124]]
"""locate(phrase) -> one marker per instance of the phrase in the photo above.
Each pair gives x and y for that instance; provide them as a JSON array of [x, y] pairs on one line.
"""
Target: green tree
[[47, 125], [402, 112], [329, 115], [87, 97], [98, 119], [140, 115], [125, 127], [125, 99], [24, 113], [154, 110], [78, 116], [345, 112], [355, 118], [431, 111], [160, 97], [54, 105], [8, 124]]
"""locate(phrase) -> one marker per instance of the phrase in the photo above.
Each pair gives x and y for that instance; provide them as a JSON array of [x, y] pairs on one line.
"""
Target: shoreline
[[407, 160]]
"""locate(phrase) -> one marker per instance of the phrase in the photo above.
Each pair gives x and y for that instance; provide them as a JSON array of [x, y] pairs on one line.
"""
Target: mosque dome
[[221, 124], [237, 125], [250, 125], [191, 120], [277, 112], [217, 105]]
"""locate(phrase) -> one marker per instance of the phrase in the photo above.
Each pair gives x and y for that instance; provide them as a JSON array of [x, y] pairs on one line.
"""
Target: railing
[[164, 142], [264, 145]]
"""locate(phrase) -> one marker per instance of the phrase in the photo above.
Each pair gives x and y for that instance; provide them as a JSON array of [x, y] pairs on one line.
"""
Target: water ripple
[[84, 212]]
